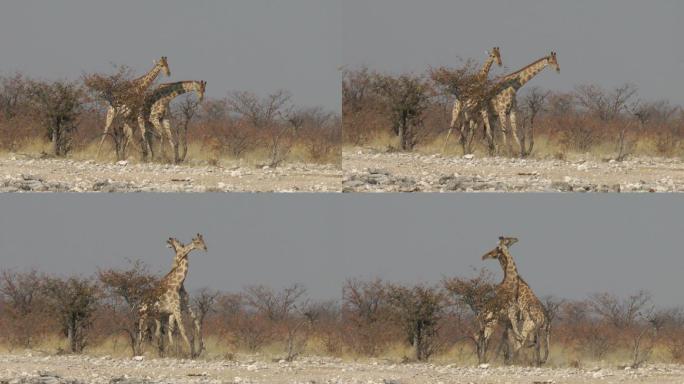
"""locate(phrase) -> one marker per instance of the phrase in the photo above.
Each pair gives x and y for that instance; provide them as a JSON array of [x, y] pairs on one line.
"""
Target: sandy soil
[[19, 174], [373, 171], [63, 369]]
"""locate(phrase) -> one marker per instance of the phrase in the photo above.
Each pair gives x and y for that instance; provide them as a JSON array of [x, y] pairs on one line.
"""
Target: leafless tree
[[360, 105], [478, 294], [533, 103], [365, 309], [406, 98], [127, 290], [673, 332], [419, 309], [185, 111], [58, 104], [74, 301], [204, 303], [286, 309], [13, 94], [263, 114], [605, 105], [320, 131], [21, 292], [634, 317]]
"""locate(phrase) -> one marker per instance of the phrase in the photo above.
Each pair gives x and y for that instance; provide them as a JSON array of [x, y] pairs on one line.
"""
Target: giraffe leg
[[514, 130], [489, 327], [197, 331], [528, 328], [128, 131], [111, 113], [141, 332], [488, 132], [455, 119], [171, 328], [157, 330], [513, 346], [146, 148], [181, 327], [512, 314], [174, 148], [469, 137], [155, 119], [503, 120]]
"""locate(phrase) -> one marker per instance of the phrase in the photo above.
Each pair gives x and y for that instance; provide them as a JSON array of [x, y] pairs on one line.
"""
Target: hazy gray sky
[[256, 45], [607, 42], [570, 245]]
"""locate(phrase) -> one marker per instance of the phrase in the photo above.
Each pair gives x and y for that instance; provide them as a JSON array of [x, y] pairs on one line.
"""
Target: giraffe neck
[[509, 268], [144, 82], [181, 254], [521, 77], [174, 279], [486, 67], [169, 91]]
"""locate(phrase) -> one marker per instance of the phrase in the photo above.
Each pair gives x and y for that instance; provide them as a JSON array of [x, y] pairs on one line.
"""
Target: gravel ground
[[57, 175], [367, 170], [83, 369]]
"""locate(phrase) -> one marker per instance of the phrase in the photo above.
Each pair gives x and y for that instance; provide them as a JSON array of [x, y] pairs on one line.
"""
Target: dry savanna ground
[[374, 170], [29, 174], [39, 368]]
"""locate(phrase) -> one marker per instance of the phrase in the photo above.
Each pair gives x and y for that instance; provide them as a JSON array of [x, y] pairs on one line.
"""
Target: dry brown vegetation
[[372, 318], [66, 118], [413, 112]]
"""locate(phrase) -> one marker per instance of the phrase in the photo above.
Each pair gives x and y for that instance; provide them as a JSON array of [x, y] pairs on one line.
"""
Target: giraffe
[[169, 297], [177, 246], [504, 104], [157, 106], [519, 303], [139, 87], [462, 109]]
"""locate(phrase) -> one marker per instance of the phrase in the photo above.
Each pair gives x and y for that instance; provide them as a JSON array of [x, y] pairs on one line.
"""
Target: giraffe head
[[165, 65], [553, 61], [173, 243], [200, 88], [198, 243], [496, 55], [504, 243], [507, 241]]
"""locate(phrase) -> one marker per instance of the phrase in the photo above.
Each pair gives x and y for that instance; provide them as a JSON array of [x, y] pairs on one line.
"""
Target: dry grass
[[545, 147], [460, 353], [198, 153]]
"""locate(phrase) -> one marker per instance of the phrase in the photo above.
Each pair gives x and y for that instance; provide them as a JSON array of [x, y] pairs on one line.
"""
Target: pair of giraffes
[[170, 300], [467, 112], [517, 306], [155, 107]]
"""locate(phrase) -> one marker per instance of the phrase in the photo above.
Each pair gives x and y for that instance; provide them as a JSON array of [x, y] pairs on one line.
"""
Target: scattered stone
[[67, 175]]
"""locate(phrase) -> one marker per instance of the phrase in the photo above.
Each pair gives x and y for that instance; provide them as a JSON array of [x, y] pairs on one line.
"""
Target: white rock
[[138, 358], [469, 156]]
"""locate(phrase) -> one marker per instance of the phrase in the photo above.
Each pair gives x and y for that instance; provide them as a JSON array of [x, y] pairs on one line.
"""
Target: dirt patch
[[86, 369], [58, 175], [367, 170]]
